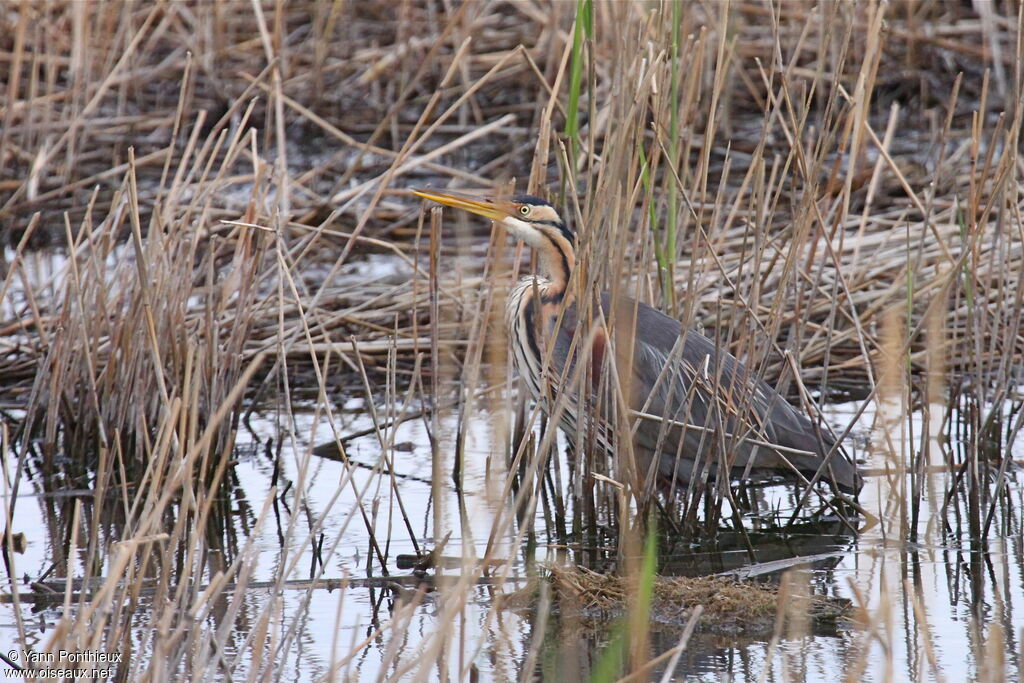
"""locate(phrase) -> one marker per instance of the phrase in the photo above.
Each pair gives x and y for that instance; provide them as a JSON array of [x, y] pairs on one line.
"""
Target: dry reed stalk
[[754, 191]]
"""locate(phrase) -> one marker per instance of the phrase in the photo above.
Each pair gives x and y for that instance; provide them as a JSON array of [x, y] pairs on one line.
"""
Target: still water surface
[[936, 609]]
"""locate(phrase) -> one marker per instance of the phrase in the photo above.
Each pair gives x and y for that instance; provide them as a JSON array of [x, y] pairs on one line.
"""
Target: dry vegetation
[[726, 603], [831, 191]]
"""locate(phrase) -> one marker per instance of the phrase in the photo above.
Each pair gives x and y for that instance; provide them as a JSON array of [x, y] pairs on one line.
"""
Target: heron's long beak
[[495, 209]]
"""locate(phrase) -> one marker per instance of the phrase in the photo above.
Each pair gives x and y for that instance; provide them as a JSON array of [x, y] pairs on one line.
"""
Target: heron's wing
[[682, 376]]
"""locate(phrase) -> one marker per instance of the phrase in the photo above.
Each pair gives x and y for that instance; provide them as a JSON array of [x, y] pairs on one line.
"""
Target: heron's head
[[528, 218]]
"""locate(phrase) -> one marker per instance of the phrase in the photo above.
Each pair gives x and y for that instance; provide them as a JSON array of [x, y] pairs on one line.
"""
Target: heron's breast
[[530, 328]]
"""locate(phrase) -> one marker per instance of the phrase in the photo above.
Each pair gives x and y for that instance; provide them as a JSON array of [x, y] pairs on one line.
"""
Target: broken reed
[[757, 192]]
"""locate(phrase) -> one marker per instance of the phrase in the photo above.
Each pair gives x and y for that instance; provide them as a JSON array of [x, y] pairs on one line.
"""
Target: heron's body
[[699, 409]]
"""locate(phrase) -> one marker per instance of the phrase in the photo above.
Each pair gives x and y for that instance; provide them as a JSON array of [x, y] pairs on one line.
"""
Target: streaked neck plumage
[[556, 259]]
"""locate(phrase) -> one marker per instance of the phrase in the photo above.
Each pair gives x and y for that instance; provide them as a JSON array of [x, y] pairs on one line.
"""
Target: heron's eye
[[525, 210]]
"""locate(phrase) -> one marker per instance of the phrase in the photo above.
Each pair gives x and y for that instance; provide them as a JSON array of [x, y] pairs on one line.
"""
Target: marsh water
[[940, 607], [962, 593]]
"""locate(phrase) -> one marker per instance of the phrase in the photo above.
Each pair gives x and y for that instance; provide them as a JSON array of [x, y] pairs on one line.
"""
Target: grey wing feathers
[[692, 382]]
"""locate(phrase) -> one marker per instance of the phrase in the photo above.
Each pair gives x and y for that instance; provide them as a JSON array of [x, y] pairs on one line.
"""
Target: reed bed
[[829, 191]]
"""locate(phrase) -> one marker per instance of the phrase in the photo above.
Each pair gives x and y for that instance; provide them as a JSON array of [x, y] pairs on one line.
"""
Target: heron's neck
[[556, 260]]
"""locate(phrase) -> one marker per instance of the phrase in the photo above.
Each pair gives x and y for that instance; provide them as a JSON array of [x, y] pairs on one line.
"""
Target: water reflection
[[942, 606], [820, 545]]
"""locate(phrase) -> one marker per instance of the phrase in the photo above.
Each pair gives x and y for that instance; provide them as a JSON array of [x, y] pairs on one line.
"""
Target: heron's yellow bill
[[487, 207]]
